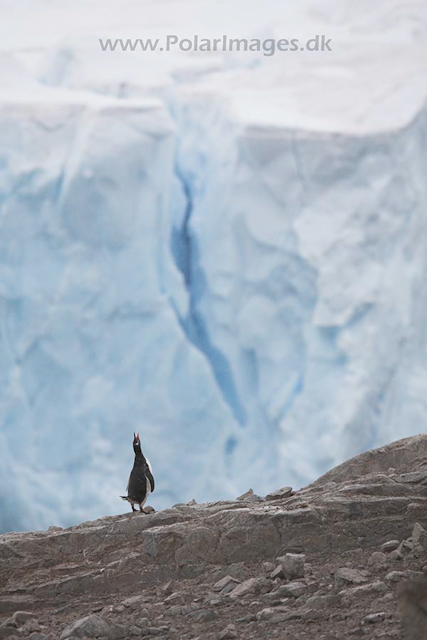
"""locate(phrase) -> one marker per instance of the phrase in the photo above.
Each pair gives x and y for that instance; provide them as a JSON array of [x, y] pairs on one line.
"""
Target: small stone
[[396, 576], [203, 615], [52, 529], [228, 633], [250, 496], [373, 618], [405, 546], [357, 631], [278, 573], [395, 556], [144, 623], [249, 587], [322, 601], [38, 636], [419, 535], [167, 588], [390, 545], [157, 631], [293, 589], [149, 509], [133, 602], [90, 627], [20, 617], [273, 614], [267, 567], [30, 626], [251, 617], [226, 584], [345, 576], [377, 559], [179, 597], [279, 494], [354, 592], [293, 565]]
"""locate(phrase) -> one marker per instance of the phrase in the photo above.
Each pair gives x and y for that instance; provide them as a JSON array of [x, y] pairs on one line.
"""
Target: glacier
[[226, 253]]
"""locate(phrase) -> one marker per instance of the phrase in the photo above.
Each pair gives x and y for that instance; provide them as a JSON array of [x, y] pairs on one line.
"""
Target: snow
[[224, 251]]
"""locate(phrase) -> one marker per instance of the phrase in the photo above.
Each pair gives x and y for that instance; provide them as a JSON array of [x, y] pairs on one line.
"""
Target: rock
[[390, 545], [413, 608], [405, 546], [228, 633], [419, 535], [38, 636], [20, 617], [293, 589], [400, 454], [373, 618], [226, 584], [250, 496], [416, 477], [397, 576], [90, 627], [346, 576], [251, 617], [355, 592], [322, 601], [278, 573], [273, 614], [203, 615], [395, 556], [249, 587], [293, 565], [30, 626], [144, 623], [267, 567], [178, 554], [279, 494], [377, 559], [134, 602], [178, 597], [149, 509]]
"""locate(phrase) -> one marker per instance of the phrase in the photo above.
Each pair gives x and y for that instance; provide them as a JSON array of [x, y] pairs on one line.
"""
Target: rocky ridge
[[330, 561]]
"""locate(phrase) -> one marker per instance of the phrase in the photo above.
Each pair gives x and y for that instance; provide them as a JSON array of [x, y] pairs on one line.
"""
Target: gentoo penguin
[[141, 481]]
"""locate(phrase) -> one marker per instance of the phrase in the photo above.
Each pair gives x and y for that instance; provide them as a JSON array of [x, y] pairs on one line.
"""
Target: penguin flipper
[[150, 478]]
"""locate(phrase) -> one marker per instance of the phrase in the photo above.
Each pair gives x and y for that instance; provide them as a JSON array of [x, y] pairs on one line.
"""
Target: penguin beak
[[137, 437]]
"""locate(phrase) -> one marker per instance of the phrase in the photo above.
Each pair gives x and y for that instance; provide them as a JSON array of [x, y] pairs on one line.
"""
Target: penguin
[[141, 481]]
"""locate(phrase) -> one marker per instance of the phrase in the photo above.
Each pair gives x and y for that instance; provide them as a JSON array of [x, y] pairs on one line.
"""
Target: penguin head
[[136, 443]]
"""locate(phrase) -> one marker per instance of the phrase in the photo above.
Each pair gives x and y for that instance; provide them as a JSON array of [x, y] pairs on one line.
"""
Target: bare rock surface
[[324, 562]]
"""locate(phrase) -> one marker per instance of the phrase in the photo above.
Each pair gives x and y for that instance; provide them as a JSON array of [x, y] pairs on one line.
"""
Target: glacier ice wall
[[91, 346], [308, 275], [225, 254]]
